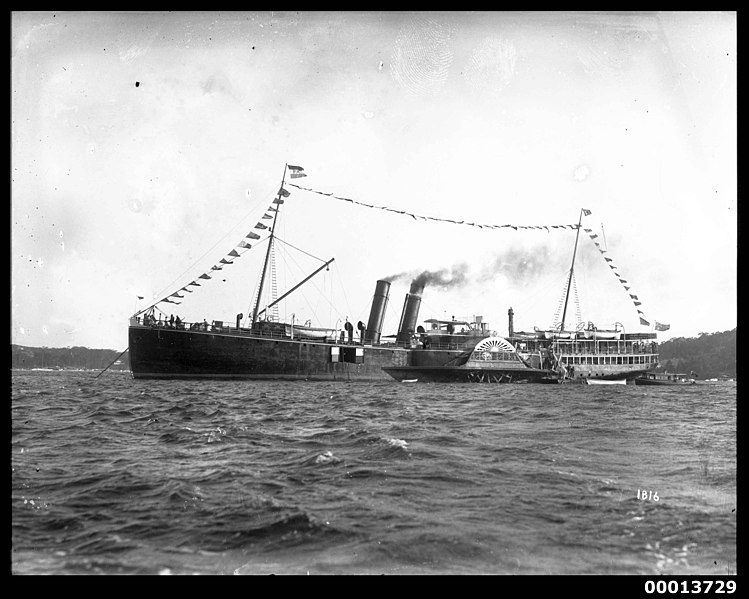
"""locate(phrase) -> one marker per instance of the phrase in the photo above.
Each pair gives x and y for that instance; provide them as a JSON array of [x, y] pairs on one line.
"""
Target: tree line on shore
[[710, 355], [23, 357]]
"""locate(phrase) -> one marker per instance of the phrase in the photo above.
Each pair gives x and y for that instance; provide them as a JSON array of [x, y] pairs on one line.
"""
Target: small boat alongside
[[598, 381], [664, 378]]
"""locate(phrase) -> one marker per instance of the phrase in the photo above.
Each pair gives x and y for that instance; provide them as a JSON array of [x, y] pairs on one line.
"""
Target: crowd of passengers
[[174, 323]]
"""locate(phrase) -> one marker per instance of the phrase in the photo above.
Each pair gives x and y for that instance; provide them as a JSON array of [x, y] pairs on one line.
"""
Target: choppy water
[[117, 476]]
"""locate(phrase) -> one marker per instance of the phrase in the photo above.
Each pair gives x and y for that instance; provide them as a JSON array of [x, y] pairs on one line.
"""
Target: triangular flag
[[234, 253], [252, 235]]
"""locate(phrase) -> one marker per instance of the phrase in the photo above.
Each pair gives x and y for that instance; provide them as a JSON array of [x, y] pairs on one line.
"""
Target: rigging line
[[229, 232], [320, 298], [444, 220], [618, 276], [113, 361], [299, 250], [153, 305], [337, 275], [257, 284]]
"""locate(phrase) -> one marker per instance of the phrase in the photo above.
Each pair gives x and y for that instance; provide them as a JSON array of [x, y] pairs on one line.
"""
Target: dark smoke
[[527, 266], [444, 277], [520, 266]]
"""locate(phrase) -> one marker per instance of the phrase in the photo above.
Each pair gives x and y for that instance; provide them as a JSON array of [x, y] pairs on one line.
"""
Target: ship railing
[[205, 327], [448, 346], [213, 327], [605, 348]]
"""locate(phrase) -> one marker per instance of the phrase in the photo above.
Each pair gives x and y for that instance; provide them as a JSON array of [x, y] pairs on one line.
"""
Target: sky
[[146, 145]]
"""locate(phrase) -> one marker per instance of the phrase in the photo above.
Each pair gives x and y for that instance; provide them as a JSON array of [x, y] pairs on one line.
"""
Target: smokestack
[[410, 314], [510, 325], [377, 312]]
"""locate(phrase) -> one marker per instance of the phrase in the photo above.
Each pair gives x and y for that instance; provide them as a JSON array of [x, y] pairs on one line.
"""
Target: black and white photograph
[[401, 293]]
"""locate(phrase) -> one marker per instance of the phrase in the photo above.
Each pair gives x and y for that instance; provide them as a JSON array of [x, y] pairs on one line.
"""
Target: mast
[[572, 269], [270, 249]]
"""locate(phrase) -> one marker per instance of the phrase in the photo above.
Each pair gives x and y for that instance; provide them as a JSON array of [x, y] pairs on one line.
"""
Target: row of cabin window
[[647, 359]]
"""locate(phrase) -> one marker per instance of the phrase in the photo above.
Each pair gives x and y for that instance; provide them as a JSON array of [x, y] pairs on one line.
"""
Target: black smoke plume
[[444, 277], [520, 266]]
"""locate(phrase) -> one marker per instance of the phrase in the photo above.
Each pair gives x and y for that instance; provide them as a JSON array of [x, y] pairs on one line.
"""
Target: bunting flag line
[[228, 259], [613, 267], [432, 218]]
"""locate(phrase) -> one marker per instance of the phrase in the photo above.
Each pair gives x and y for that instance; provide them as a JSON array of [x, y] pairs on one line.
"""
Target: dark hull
[[167, 353], [164, 353], [640, 381]]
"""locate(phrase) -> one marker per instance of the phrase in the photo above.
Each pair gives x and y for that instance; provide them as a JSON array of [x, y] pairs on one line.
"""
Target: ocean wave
[[182, 435], [323, 458], [270, 530]]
